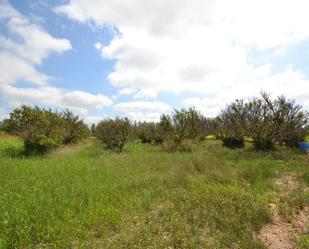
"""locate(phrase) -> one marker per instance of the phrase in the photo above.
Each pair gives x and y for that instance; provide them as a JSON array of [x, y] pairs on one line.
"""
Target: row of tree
[[43, 130], [266, 121]]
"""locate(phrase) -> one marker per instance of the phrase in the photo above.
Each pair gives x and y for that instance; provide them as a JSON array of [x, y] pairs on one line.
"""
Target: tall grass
[[143, 198]]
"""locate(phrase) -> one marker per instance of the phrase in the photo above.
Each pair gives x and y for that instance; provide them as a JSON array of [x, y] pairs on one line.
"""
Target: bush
[[149, 132], [40, 129], [146, 132], [290, 122], [187, 124], [233, 121], [266, 121], [233, 142], [74, 129], [43, 130], [114, 132]]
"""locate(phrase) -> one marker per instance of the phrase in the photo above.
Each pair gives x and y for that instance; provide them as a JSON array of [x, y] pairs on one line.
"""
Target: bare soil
[[281, 234]]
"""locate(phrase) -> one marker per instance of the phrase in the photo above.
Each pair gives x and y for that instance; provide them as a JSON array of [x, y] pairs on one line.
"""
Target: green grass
[[89, 197]]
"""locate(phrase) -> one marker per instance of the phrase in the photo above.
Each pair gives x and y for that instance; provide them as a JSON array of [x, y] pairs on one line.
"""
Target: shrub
[[165, 128], [233, 120], [290, 122], [149, 132], [266, 121], [114, 132], [146, 132], [75, 129], [187, 124], [41, 130], [275, 121]]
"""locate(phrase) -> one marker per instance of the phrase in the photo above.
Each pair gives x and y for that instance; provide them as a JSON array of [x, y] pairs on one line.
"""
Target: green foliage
[[185, 128], [145, 131], [149, 132], [75, 129], [43, 130], [266, 121], [187, 124], [91, 198], [114, 133]]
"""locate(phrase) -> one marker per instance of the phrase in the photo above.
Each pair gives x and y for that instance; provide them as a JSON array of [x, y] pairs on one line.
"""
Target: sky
[[142, 58]]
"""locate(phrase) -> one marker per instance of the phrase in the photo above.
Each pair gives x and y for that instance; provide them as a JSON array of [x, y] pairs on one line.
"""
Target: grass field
[[87, 197]]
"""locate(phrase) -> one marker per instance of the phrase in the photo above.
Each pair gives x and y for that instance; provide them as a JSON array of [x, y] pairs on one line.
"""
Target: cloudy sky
[[141, 58]]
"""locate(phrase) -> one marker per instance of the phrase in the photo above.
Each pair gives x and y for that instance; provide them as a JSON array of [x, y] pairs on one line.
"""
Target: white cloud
[[290, 83], [140, 116], [98, 45], [126, 91], [142, 106], [210, 107], [197, 45], [13, 68], [77, 101], [145, 93], [86, 100], [27, 47], [89, 120]]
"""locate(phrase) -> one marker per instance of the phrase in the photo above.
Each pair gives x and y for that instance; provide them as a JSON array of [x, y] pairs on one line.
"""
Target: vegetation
[[263, 121], [149, 132], [143, 198], [268, 122], [114, 133], [43, 130], [84, 196], [74, 129]]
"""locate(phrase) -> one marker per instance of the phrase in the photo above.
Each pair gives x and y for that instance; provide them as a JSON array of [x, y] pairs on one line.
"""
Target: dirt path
[[281, 234]]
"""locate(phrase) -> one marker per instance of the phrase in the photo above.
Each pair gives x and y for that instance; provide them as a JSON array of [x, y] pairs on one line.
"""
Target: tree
[[75, 129], [289, 120], [187, 124], [266, 121], [146, 131], [233, 124], [40, 129], [114, 132]]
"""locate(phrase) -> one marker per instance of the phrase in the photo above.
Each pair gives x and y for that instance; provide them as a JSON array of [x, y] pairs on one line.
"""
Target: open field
[[88, 197]]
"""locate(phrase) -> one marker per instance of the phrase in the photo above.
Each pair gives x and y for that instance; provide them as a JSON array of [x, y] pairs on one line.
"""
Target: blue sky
[[141, 58]]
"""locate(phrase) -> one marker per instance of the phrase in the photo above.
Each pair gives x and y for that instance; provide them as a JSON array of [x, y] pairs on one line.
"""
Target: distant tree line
[[266, 122]]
